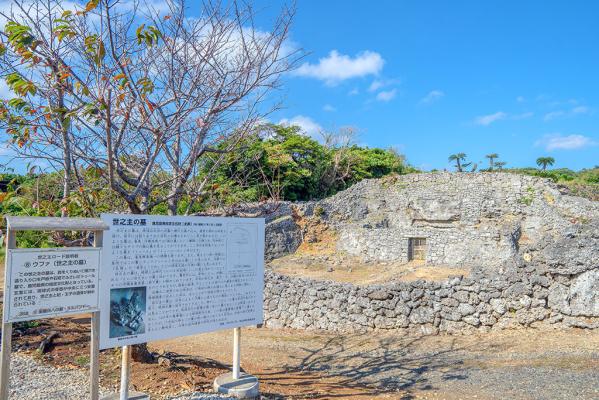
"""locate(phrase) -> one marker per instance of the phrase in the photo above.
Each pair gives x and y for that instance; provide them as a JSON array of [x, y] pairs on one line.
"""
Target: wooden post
[[125, 367], [236, 352], [11, 243], [94, 347]]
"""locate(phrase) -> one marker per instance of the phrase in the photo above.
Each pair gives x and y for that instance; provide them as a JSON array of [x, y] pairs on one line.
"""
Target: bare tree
[[137, 93], [140, 94], [343, 161]]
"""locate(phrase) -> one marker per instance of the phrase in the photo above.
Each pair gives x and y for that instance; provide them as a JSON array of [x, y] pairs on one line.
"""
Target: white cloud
[[557, 141], [306, 124], [553, 115], [520, 99], [579, 110], [382, 83], [386, 95], [353, 92], [375, 85], [432, 96], [489, 119], [30, 6], [337, 67], [524, 115], [329, 108]]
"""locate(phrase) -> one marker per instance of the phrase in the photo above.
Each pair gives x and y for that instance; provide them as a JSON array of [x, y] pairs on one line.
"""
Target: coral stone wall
[[457, 305], [533, 253]]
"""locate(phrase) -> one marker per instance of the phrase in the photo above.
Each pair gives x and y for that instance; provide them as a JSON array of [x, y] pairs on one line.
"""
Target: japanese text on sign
[[42, 283], [174, 276]]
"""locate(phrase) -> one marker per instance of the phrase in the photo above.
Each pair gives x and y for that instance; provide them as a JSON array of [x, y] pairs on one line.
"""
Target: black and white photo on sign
[[127, 311]]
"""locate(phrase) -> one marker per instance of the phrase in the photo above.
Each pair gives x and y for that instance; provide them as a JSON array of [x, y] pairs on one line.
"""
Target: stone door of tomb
[[417, 249]]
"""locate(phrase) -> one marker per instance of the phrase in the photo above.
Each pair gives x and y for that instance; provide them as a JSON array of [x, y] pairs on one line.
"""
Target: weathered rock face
[[466, 219], [533, 252], [283, 236]]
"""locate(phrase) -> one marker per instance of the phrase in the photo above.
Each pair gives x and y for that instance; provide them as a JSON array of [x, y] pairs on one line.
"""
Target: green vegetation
[[82, 361], [280, 163], [529, 197], [583, 183], [562, 175], [26, 324], [460, 161], [543, 162], [275, 162]]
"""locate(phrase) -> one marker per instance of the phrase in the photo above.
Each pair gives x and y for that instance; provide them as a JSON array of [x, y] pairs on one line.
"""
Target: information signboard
[[164, 277], [43, 283]]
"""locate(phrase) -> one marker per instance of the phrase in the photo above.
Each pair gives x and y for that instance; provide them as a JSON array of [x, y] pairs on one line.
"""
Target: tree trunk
[[66, 156], [140, 353]]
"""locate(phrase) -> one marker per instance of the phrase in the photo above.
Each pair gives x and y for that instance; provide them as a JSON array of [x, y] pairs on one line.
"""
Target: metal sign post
[[236, 352], [236, 383], [125, 368], [15, 224], [11, 243]]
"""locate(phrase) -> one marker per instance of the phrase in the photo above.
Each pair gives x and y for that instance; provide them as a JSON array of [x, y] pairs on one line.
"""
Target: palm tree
[[500, 165], [458, 158], [492, 158], [545, 161]]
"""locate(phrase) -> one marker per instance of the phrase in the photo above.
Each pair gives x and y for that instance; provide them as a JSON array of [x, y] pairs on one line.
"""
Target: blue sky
[[432, 78]]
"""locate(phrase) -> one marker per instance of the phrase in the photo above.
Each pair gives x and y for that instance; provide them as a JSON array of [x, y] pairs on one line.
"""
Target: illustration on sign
[[240, 246], [165, 277], [42, 283]]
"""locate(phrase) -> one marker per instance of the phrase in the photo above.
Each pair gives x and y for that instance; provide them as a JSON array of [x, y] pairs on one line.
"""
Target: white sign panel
[[42, 283], [165, 277]]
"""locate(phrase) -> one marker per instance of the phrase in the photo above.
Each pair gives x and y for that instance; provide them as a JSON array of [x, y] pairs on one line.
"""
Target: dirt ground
[[318, 258], [292, 364], [309, 365], [523, 364], [348, 269]]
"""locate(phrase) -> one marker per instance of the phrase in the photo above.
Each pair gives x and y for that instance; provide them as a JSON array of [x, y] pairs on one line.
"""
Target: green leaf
[[20, 85], [149, 35], [147, 86], [19, 104], [139, 30]]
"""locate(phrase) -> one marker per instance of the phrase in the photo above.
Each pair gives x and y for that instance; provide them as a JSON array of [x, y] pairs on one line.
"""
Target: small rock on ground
[[202, 396], [32, 380]]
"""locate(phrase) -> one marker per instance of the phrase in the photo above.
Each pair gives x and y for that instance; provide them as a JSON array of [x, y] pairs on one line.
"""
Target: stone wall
[[468, 219], [533, 253], [457, 305]]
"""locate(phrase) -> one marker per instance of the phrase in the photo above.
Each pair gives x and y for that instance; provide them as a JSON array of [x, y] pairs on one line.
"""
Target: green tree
[[500, 165], [459, 159], [274, 162], [492, 158], [279, 162], [543, 162]]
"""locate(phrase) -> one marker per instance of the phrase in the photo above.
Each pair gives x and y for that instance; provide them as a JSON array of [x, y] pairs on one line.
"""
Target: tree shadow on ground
[[368, 365]]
